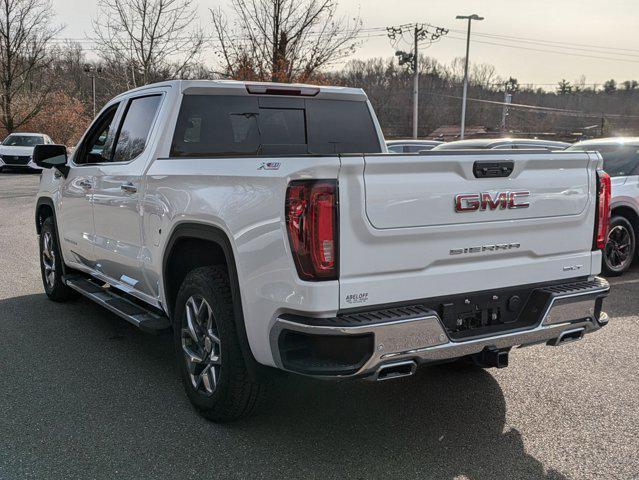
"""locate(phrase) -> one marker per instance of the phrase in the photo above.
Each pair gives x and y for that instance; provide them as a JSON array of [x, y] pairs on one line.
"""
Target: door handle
[[128, 188], [85, 184]]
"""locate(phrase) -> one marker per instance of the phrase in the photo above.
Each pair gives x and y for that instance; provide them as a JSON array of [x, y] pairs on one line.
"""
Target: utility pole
[[92, 71], [420, 32], [504, 113], [470, 18], [93, 89]]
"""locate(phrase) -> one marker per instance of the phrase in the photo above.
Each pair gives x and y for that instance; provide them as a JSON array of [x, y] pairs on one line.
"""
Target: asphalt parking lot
[[85, 395]]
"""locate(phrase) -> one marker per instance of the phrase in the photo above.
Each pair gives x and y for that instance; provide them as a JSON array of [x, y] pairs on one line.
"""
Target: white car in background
[[411, 146], [16, 150], [503, 144], [621, 162]]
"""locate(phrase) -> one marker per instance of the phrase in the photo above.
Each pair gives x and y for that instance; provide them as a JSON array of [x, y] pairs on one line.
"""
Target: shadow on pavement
[[443, 422], [107, 396]]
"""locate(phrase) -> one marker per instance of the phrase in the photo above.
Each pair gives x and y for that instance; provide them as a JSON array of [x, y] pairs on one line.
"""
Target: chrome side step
[[110, 298]]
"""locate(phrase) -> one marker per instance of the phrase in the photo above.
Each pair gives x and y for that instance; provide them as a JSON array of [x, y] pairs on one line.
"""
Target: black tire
[[51, 264], [235, 393], [620, 249]]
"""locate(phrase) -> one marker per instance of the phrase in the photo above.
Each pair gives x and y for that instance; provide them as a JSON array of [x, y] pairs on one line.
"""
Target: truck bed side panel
[[244, 197]]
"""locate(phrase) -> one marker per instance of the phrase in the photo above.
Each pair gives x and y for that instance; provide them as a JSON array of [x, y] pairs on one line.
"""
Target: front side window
[[619, 160], [98, 144], [23, 140], [134, 133], [219, 125]]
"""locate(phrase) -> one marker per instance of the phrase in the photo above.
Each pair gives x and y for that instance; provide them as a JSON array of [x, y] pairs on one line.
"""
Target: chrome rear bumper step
[[145, 319], [401, 337]]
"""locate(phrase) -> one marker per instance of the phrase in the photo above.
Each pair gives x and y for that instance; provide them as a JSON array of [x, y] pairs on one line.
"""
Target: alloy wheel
[[48, 259], [201, 346], [618, 248]]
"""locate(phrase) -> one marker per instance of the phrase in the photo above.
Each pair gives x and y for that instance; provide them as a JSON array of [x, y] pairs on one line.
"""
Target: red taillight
[[311, 221], [603, 210]]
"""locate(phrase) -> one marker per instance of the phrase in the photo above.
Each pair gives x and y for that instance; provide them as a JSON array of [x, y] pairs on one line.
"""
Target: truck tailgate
[[413, 239]]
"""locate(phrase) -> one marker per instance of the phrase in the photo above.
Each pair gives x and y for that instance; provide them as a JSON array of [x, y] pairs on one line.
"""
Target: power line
[[531, 108], [551, 44], [548, 42], [548, 51]]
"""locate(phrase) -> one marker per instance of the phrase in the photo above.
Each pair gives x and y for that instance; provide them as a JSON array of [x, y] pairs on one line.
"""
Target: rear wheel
[[209, 355], [51, 264], [620, 248]]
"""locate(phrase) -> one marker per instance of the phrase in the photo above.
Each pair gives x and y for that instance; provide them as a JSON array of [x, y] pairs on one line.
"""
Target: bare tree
[[26, 31], [283, 40], [147, 40]]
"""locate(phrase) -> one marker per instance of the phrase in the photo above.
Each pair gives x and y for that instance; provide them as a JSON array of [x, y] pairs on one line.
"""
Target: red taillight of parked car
[[603, 210], [311, 221]]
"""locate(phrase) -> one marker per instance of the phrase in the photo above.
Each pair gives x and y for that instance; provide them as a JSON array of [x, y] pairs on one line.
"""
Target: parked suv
[[266, 226], [621, 162]]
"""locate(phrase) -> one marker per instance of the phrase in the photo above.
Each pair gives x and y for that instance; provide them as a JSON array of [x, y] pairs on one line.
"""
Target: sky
[[554, 39]]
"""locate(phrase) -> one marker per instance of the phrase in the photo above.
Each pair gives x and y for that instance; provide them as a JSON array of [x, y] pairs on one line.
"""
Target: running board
[[145, 319]]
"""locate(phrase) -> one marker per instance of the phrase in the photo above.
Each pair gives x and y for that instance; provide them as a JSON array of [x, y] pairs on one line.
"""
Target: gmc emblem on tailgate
[[472, 202]]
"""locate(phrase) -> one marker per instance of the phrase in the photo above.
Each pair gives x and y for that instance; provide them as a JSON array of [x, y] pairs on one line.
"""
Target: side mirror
[[51, 156]]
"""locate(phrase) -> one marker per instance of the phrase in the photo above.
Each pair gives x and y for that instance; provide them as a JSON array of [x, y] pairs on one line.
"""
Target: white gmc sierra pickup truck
[[268, 226]]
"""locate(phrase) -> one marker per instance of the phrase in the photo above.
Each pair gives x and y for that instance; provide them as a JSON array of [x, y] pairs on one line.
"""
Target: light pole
[[470, 18], [92, 70]]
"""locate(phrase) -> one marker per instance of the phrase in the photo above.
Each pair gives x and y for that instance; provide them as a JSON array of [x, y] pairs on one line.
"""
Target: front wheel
[[51, 264], [209, 355], [620, 248]]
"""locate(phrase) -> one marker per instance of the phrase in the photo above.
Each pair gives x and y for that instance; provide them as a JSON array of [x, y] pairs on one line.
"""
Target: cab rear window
[[219, 125]]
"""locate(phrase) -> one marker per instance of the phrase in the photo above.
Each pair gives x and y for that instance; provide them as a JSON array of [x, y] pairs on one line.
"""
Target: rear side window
[[619, 160], [135, 128], [218, 125]]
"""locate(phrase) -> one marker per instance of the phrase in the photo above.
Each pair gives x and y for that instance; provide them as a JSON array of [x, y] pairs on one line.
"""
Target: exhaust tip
[[568, 336], [396, 370]]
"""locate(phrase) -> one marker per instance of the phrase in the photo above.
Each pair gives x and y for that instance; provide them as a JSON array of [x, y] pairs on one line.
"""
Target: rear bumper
[[358, 345]]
